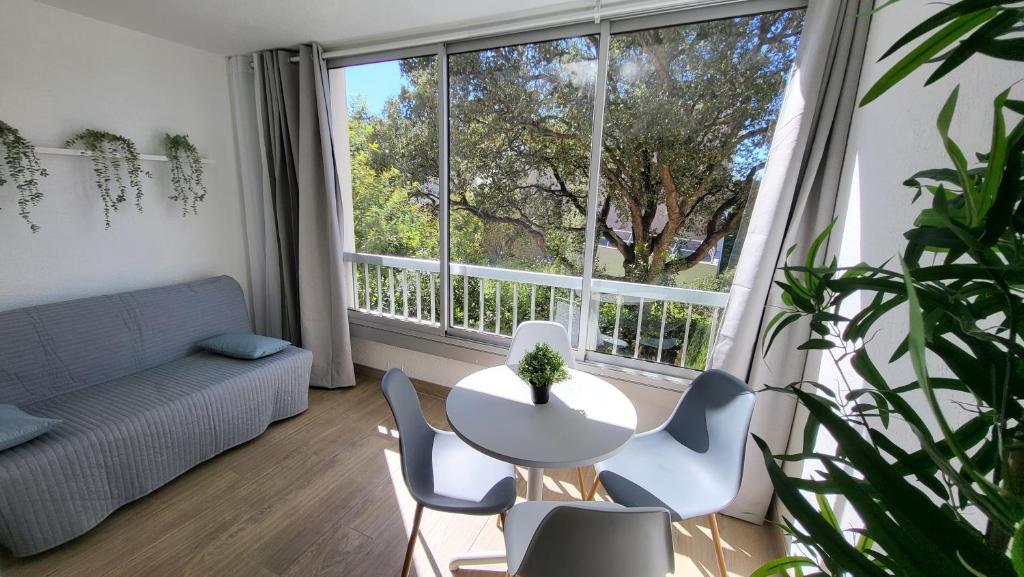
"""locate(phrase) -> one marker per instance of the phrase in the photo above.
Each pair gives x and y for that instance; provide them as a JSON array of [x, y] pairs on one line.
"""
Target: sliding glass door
[[499, 138], [689, 116], [519, 153], [392, 152]]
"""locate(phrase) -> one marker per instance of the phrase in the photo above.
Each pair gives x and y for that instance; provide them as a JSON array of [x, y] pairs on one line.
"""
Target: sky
[[375, 83]]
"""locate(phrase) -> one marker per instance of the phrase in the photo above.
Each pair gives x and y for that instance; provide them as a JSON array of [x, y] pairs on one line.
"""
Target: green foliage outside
[[385, 221], [681, 346], [689, 116], [542, 366]]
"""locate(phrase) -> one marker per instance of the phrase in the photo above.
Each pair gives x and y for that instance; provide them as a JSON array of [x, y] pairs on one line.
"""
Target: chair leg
[[593, 488], [412, 540], [501, 521], [717, 538], [579, 478]]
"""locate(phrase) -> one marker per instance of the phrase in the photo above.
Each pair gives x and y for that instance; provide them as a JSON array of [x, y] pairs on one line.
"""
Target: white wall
[[60, 73], [890, 140]]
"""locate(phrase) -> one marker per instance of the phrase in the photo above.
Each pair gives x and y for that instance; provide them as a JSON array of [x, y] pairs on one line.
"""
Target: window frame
[[446, 331]]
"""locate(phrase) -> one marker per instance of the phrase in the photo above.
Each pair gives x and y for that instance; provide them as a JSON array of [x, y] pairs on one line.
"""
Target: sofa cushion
[[126, 437], [17, 426], [243, 345]]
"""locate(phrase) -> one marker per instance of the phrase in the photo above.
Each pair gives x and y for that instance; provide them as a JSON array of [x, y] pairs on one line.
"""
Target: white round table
[[585, 421]]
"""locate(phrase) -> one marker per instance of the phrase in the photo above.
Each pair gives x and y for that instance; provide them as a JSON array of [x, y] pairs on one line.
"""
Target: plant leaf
[[780, 565], [996, 157], [825, 536], [938, 19], [816, 344], [1017, 549], [926, 50], [981, 37], [1007, 49], [916, 506], [1007, 195], [914, 551]]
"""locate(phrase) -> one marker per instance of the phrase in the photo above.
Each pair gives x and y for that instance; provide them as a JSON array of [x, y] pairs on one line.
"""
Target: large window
[[392, 124], [519, 124], [690, 112], [392, 133], [689, 106]]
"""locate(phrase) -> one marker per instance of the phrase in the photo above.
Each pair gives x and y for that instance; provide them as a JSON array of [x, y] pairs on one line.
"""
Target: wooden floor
[[321, 494]]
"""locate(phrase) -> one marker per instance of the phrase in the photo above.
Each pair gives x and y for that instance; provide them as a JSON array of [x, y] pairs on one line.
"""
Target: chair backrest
[[415, 435], [529, 333], [713, 418], [51, 349], [576, 541]]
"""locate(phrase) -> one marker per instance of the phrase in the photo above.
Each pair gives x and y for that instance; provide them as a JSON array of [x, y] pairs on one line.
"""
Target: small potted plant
[[542, 367]]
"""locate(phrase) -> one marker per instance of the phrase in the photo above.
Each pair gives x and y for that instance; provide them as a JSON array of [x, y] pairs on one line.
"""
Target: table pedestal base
[[534, 492], [483, 558], [535, 484]]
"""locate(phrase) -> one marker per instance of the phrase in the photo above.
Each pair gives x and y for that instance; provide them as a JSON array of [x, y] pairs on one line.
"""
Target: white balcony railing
[[640, 321]]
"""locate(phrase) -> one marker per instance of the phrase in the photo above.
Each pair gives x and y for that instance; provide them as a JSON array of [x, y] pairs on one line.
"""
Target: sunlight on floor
[[323, 494], [443, 535]]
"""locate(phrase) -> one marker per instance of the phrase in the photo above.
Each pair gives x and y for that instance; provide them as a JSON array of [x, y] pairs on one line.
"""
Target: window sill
[[429, 339]]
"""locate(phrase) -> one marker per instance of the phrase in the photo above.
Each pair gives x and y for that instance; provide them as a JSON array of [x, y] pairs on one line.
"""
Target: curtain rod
[[525, 20]]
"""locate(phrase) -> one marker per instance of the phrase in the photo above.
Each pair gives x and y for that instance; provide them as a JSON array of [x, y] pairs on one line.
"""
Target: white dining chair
[[529, 333], [440, 470], [693, 463], [587, 539], [526, 336]]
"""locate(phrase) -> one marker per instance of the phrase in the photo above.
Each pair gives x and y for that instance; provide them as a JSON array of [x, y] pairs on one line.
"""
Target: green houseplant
[[542, 367], [952, 505], [186, 169], [21, 166], [110, 152]]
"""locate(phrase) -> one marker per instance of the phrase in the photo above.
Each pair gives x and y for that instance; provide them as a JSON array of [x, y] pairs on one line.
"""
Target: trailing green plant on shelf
[[186, 169], [112, 154], [961, 279], [21, 167]]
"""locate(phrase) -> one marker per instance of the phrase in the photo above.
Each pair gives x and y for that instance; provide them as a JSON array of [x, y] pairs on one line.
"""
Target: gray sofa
[[140, 403]]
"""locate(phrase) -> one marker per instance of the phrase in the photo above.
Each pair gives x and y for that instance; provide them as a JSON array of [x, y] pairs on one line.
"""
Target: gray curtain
[[260, 225], [293, 207], [277, 97], [796, 200]]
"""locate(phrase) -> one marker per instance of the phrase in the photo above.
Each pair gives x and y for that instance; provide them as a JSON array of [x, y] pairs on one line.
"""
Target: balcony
[[645, 326]]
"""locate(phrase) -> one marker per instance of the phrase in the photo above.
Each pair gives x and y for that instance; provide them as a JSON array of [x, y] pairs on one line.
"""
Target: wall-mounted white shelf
[[78, 152]]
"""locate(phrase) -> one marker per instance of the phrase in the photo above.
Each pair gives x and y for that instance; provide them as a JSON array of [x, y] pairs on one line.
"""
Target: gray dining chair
[[526, 336], [693, 463], [591, 539], [441, 471]]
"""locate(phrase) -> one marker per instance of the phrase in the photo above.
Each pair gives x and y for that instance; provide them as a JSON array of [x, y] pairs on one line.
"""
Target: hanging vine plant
[[110, 152], [21, 166], [186, 173]]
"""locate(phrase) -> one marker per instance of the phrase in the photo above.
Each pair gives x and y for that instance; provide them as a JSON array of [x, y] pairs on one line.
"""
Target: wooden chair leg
[[593, 488], [579, 478], [717, 538], [412, 540], [501, 521]]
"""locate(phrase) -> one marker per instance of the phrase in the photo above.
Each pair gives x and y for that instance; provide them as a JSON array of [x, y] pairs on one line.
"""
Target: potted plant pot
[[541, 394], [542, 367]]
